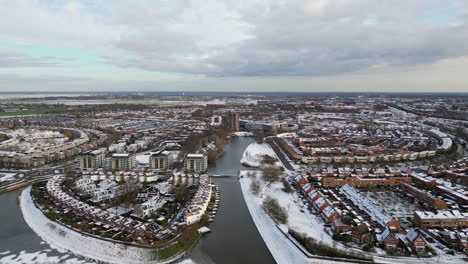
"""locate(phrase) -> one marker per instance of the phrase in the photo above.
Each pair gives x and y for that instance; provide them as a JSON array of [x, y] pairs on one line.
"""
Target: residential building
[[416, 240], [92, 159], [425, 196], [370, 207], [161, 160], [441, 218], [388, 239], [361, 235], [123, 161], [196, 163], [231, 121]]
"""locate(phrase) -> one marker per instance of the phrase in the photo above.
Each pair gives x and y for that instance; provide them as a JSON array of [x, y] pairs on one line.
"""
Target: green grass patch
[[36, 111], [170, 251]]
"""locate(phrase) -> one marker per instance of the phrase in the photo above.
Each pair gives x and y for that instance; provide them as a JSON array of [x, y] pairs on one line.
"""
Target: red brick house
[[341, 224], [361, 235], [388, 240], [416, 240], [330, 213]]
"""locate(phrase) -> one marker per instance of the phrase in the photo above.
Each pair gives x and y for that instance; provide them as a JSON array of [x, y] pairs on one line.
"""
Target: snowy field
[[255, 153], [66, 239], [7, 177]]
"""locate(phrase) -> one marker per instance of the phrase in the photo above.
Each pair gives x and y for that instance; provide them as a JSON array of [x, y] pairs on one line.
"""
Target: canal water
[[18, 243], [234, 237]]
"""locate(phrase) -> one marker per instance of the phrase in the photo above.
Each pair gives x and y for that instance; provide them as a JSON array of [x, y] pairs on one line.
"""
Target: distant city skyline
[[234, 46]]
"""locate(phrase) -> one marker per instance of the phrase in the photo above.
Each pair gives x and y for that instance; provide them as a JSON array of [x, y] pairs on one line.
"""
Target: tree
[[272, 206], [269, 160], [212, 155], [129, 192], [259, 136], [286, 186], [180, 193], [255, 187], [70, 178], [270, 174]]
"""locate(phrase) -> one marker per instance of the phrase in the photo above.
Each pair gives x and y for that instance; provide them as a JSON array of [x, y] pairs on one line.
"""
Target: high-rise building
[[231, 121], [161, 160], [196, 163], [92, 159], [123, 161]]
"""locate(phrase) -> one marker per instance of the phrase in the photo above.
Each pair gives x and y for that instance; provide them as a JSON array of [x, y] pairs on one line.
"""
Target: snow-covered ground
[[66, 239], [7, 177], [282, 250], [303, 222], [143, 158], [42, 256], [287, 135], [118, 210], [243, 134], [255, 153]]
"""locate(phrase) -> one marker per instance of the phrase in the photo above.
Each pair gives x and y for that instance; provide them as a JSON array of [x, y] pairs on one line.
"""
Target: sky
[[234, 45]]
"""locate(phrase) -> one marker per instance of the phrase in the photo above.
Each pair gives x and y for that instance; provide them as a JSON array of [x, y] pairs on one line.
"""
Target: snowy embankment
[[302, 221], [282, 250], [283, 135], [82, 245], [243, 134], [255, 154]]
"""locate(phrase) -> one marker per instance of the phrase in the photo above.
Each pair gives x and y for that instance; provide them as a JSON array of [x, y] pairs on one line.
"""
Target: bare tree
[[129, 192]]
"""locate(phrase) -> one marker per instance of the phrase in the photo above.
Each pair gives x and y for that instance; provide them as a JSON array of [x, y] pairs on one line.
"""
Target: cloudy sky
[[234, 45]]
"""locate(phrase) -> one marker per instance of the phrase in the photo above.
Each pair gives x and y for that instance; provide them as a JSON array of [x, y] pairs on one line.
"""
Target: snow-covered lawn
[[393, 203], [66, 239], [7, 177], [143, 158], [282, 250], [254, 155], [303, 222]]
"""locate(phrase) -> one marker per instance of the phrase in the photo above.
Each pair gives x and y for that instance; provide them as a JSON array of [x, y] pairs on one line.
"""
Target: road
[[279, 153]]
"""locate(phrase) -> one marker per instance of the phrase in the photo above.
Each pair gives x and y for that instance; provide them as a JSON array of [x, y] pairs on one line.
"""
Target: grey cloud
[[12, 58], [305, 38]]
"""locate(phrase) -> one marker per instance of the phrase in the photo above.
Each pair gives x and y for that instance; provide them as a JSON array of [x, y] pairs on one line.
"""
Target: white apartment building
[[92, 159], [197, 163], [123, 161]]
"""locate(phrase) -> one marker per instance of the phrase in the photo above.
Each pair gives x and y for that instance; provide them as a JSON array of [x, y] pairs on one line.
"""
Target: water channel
[[234, 237]]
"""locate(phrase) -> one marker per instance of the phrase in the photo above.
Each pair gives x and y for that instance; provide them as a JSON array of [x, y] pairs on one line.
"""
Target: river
[[234, 237], [18, 243]]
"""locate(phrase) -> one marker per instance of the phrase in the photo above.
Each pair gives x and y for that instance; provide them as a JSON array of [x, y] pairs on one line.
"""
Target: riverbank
[[286, 250], [95, 249], [283, 251]]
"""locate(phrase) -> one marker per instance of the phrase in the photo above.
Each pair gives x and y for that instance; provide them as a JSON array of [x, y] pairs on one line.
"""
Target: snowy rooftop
[[446, 214], [193, 155], [370, 207]]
